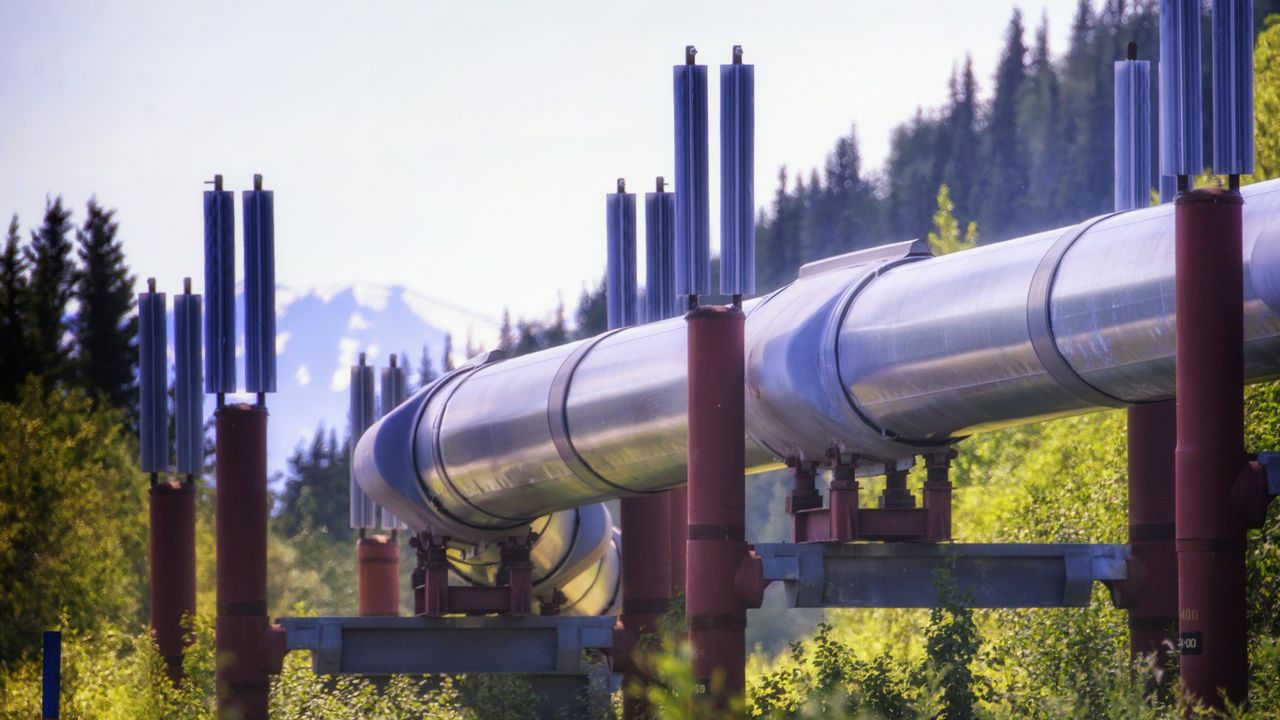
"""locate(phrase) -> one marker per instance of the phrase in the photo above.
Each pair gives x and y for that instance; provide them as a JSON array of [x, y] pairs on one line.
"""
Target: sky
[[460, 149]]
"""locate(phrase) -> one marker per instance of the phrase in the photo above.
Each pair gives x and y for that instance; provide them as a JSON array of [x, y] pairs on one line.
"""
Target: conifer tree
[[446, 353], [104, 330], [52, 285], [507, 337], [1006, 150], [14, 359], [426, 369]]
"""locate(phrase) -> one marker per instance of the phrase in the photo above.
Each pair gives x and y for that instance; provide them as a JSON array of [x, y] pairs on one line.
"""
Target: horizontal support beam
[[449, 645], [903, 575]]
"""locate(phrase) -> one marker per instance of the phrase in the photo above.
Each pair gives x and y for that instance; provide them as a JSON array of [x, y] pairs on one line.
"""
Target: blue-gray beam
[[904, 575], [219, 290], [660, 296], [449, 645], [620, 258], [1132, 177], [258, 206], [188, 381], [153, 375]]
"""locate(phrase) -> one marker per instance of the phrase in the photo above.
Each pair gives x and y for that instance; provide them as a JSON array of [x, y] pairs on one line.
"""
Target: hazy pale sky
[[462, 149]]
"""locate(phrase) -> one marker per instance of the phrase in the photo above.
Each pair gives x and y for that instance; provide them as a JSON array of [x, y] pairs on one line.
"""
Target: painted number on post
[[1190, 643]]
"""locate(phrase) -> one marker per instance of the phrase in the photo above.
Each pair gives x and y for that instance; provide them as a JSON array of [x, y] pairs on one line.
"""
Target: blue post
[[1181, 121], [51, 695], [620, 257], [737, 175], [188, 381], [660, 297], [1132, 132], [219, 291], [1233, 87], [693, 220], [259, 289], [153, 372]]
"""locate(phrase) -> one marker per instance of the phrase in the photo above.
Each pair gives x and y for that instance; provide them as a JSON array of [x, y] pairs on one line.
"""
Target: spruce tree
[[51, 287], [1005, 149], [446, 353], [426, 370], [104, 328], [14, 359]]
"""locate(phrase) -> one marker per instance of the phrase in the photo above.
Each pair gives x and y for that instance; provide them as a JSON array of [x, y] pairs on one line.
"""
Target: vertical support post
[[241, 632], [937, 495], [1152, 590], [717, 614], [173, 568], [1210, 452], [51, 677], [378, 574]]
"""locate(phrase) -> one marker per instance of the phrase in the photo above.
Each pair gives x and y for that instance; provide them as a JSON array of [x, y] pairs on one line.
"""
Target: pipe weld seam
[[1040, 324]]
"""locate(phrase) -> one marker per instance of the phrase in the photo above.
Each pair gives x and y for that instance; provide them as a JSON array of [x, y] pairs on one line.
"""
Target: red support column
[[717, 614], [378, 574], [678, 521], [173, 568], [646, 587], [1151, 593], [1210, 452], [243, 636]]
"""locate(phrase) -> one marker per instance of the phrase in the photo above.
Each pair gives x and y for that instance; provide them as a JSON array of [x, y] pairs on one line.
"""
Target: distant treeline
[[1036, 154], [66, 307]]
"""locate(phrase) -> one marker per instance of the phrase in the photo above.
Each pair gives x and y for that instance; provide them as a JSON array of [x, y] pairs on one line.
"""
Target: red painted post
[[240, 524], [1151, 593], [378, 574], [173, 568], [717, 614], [1210, 452], [678, 521], [646, 587]]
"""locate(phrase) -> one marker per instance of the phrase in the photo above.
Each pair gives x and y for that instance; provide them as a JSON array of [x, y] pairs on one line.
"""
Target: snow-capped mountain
[[321, 331]]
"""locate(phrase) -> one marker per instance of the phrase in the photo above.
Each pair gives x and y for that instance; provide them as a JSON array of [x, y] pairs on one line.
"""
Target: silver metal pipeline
[[883, 353]]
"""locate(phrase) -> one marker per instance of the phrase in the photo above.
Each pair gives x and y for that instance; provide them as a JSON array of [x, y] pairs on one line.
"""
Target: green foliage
[[104, 328], [945, 236], [1266, 102], [72, 520]]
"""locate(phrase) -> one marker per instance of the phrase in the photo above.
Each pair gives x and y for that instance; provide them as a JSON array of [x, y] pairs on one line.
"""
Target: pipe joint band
[[843, 307], [558, 420], [1040, 321]]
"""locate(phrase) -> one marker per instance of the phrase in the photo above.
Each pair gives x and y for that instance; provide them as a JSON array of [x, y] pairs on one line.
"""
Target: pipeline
[[885, 353]]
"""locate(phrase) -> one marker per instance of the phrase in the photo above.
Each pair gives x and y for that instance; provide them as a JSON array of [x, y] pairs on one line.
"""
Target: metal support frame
[[449, 645], [897, 518], [434, 596], [905, 575]]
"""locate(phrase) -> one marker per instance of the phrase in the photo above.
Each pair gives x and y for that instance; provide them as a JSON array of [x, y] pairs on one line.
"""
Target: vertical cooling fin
[[1233, 87], [660, 297], [737, 173], [693, 221], [363, 513], [153, 405], [259, 291], [1181, 106], [620, 258], [220, 292], [1132, 134], [395, 389], [188, 379]]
